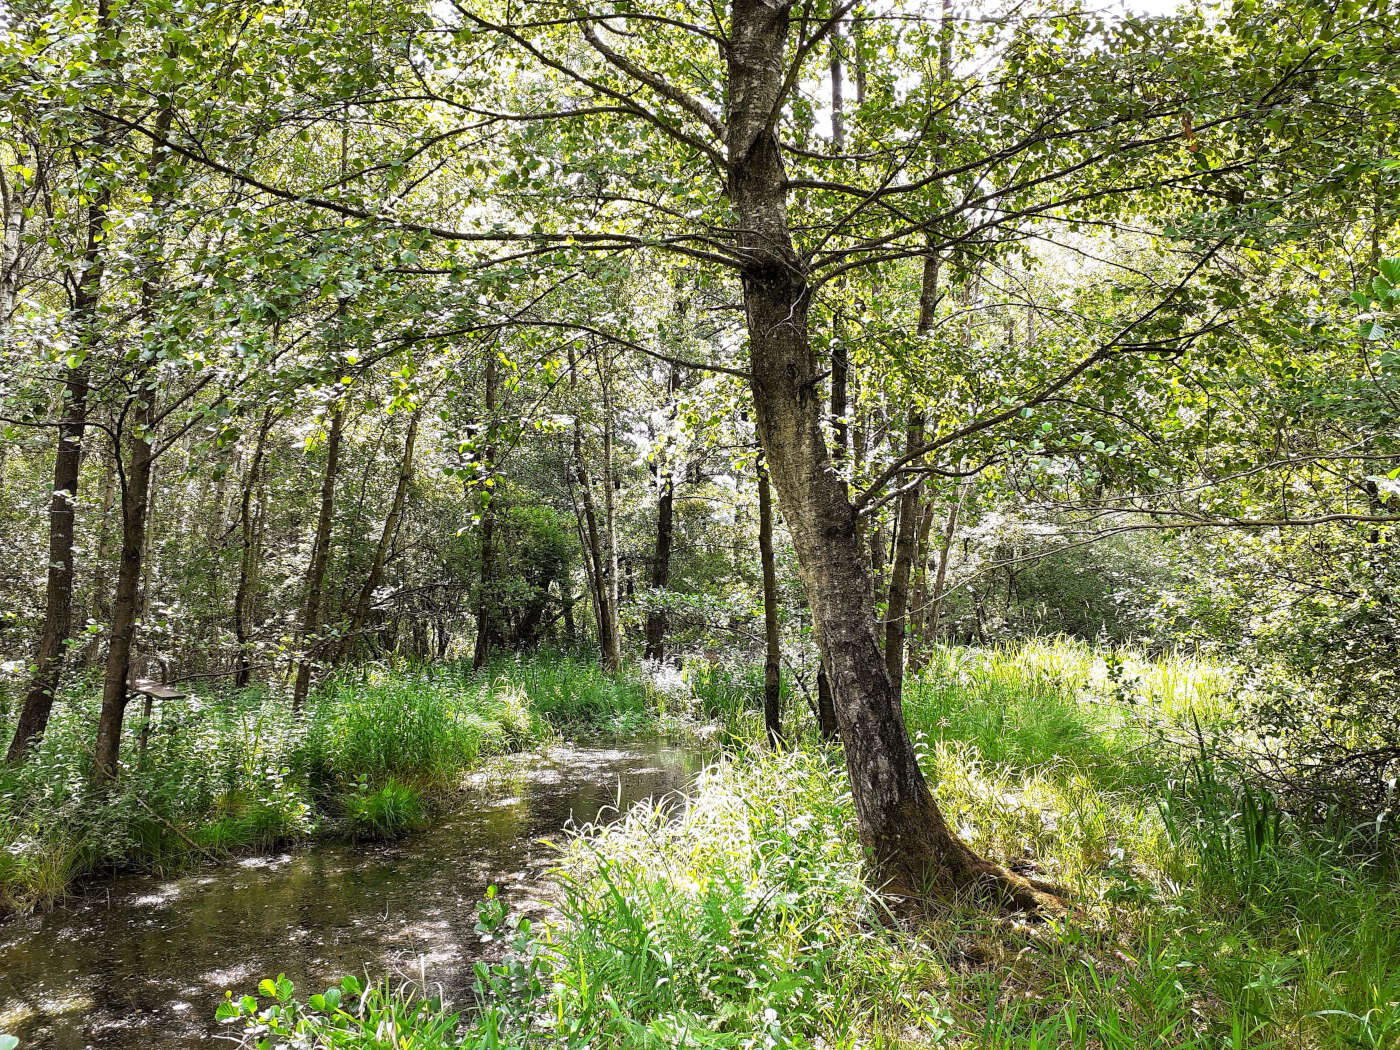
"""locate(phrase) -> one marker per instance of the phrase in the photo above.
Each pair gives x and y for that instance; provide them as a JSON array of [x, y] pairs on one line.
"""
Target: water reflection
[[142, 963]]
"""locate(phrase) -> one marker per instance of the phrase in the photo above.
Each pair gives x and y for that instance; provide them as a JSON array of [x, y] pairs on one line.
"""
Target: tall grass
[[737, 917], [236, 770]]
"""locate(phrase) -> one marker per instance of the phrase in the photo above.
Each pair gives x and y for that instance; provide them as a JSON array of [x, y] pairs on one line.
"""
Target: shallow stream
[[141, 963]]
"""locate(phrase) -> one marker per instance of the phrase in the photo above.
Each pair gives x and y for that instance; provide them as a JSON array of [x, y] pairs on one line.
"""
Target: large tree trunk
[[320, 556], [772, 643], [911, 849], [58, 589]]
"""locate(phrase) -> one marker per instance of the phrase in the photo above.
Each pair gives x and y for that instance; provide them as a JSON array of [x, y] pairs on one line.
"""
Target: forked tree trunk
[[126, 596], [320, 556], [359, 615], [772, 644], [911, 849]]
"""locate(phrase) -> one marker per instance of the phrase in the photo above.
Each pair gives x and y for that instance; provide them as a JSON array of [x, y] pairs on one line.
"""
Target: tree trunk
[[661, 567], [485, 595], [320, 556], [612, 658], [126, 596], [58, 591], [919, 593], [138, 459], [772, 644], [911, 849], [906, 533], [359, 616], [665, 538], [940, 576], [58, 588], [247, 565]]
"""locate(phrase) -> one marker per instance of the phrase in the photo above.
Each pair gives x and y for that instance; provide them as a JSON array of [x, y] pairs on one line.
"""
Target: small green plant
[[388, 811]]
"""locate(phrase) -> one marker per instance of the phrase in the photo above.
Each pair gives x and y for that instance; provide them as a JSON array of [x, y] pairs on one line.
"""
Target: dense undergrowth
[[219, 773], [1204, 917]]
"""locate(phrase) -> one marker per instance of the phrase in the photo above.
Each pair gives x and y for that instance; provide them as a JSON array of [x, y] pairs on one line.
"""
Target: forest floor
[[1203, 916], [375, 751]]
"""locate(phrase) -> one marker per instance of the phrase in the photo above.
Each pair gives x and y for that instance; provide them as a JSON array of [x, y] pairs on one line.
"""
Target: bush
[[386, 812]]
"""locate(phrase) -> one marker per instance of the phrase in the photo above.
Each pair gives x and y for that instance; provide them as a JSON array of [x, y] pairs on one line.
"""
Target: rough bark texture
[[912, 851], [320, 556], [772, 644]]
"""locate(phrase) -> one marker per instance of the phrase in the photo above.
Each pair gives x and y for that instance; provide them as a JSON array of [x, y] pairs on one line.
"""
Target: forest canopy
[[820, 338]]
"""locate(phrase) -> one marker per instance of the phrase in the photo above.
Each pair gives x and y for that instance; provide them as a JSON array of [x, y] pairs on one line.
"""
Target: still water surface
[[141, 963]]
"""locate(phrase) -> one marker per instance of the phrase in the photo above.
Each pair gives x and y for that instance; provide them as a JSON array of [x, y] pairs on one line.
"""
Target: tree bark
[[940, 576], [661, 566], [612, 657], [665, 539], [58, 588], [485, 594], [911, 849], [906, 534], [135, 458], [359, 615], [320, 556], [126, 596], [772, 644], [919, 593], [247, 564]]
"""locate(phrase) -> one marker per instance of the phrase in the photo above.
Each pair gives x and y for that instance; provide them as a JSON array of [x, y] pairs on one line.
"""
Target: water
[[141, 963]]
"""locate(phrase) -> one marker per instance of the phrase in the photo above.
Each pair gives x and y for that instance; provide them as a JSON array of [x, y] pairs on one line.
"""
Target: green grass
[[235, 771], [1204, 917]]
